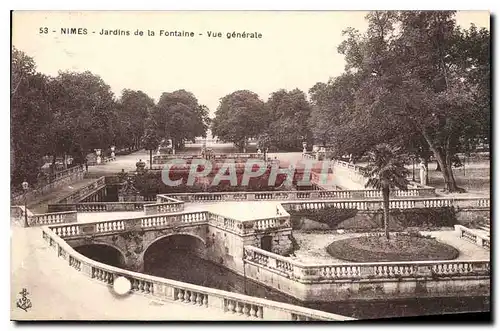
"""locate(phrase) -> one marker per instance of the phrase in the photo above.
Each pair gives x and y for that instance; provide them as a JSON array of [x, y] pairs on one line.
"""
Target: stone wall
[[369, 289], [226, 248]]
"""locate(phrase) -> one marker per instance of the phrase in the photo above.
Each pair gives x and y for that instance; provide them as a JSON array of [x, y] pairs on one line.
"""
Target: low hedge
[[399, 218]]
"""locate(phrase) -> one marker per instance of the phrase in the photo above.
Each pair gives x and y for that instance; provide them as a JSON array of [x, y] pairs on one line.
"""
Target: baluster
[[230, 306], [239, 308], [180, 295], [260, 312], [205, 300], [246, 310], [253, 312]]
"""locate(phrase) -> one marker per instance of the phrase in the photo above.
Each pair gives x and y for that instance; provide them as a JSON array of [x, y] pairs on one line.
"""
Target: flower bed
[[405, 247]]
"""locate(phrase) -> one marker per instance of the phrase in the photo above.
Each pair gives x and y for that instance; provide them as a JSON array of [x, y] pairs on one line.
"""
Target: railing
[[53, 218], [81, 193], [393, 204], [348, 165], [97, 207], [59, 178], [193, 296], [18, 213], [297, 195], [164, 205], [473, 236], [358, 271], [108, 159], [281, 221], [120, 225], [161, 159]]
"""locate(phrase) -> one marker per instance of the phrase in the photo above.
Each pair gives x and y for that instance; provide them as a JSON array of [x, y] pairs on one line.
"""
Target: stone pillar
[[135, 262]]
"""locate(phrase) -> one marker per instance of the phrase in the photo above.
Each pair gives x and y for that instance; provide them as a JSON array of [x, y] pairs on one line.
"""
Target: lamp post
[[25, 188]]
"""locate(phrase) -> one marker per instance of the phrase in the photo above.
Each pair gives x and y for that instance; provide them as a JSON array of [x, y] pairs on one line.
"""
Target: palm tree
[[385, 171]]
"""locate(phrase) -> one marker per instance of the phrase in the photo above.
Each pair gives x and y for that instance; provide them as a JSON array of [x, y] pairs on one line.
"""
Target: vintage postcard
[[250, 165]]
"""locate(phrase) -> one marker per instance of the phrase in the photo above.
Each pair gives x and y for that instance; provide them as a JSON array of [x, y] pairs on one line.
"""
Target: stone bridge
[[210, 236]]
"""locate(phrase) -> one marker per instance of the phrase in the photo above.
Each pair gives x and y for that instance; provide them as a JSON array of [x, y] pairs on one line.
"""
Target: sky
[[296, 50]]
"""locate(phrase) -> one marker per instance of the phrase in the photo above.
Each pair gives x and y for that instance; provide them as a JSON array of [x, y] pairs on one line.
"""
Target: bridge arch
[[103, 252], [173, 243]]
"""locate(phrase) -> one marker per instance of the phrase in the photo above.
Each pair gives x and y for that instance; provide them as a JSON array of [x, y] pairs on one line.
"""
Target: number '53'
[[44, 30]]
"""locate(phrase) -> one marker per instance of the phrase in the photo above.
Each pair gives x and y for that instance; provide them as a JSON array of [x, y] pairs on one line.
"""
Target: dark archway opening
[[266, 243], [176, 257], [102, 253]]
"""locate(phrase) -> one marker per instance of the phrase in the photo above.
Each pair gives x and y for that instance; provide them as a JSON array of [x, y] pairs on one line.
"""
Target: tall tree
[[288, 117], [241, 115], [413, 78], [385, 171], [30, 118], [83, 106], [135, 107], [179, 117]]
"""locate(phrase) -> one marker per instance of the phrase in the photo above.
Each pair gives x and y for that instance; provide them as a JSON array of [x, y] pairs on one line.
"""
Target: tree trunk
[[53, 168], [444, 162], [150, 159], [426, 163], [385, 195]]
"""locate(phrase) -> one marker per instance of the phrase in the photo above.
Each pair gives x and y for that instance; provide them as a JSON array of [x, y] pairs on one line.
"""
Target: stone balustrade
[[358, 271], [98, 207], [108, 159], [59, 179], [52, 218], [226, 223], [475, 237], [18, 214], [163, 207], [309, 156], [135, 223], [192, 296], [297, 195], [347, 165], [164, 204], [164, 158], [83, 192], [250, 226], [393, 204]]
